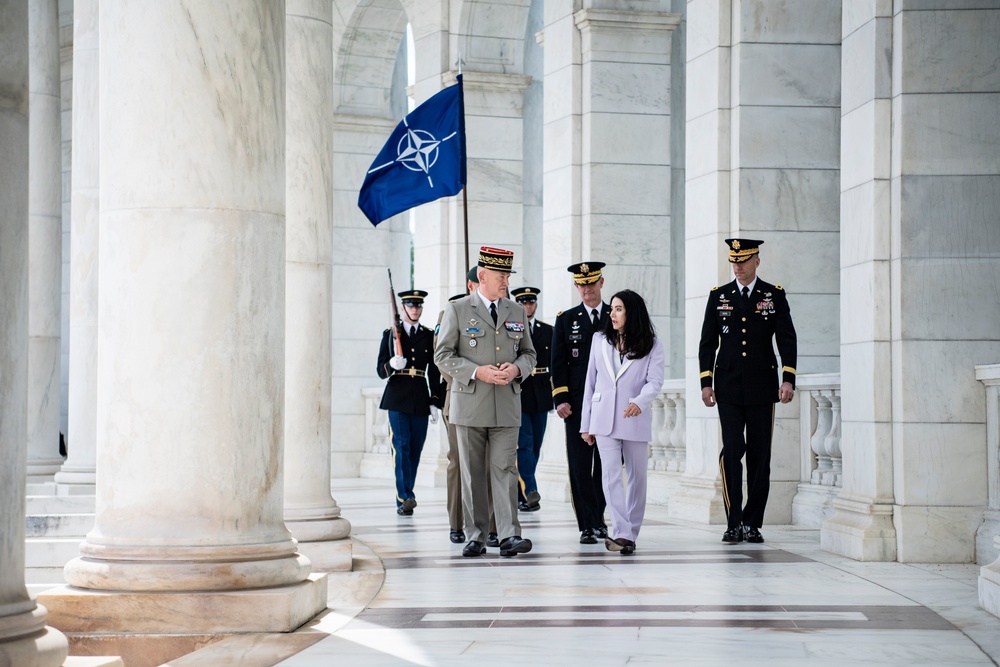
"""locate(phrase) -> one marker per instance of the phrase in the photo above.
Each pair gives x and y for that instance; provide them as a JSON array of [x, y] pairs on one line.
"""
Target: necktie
[[594, 316], [413, 330], [493, 313], [746, 294]]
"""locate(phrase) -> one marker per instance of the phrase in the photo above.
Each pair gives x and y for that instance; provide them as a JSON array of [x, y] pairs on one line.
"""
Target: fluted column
[[24, 638], [79, 470], [311, 514], [191, 309], [44, 241]]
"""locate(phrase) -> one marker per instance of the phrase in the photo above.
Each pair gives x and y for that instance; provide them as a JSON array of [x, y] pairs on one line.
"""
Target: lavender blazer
[[606, 395]]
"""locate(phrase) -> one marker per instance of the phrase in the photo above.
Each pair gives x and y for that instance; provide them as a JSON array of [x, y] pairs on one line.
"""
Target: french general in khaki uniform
[[484, 346], [741, 320]]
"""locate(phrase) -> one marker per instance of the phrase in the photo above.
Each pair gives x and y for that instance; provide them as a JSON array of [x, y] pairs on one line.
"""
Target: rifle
[[397, 323]]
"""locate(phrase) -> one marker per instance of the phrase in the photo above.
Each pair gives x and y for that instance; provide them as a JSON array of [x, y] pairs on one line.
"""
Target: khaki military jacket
[[467, 339]]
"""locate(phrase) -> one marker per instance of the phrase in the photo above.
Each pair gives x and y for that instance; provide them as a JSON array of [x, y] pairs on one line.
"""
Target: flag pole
[[465, 199], [465, 210]]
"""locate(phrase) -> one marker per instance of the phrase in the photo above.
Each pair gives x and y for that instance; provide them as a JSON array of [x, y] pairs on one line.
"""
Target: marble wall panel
[[865, 143], [856, 13], [560, 37], [867, 446], [866, 56], [865, 223], [706, 269], [938, 382], [790, 74], [707, 83], [628, 138], [866, 381], [494, 180], [493, 137], [965, 206], [929, 143], [629, 46], [944, 299], [647, 280], [561, 195], [360, 284], [356, 358], [497, 224], [561, 146], [817, 321], [782, 256], [865, 288], [940, 464], [711, 134], [561, 90], [966, 37], [638, 189], [804, 22], [352, 245], [626, 88], [353, 321], [936, 534], [613, 239], [709, 26], [805, 138], [706, 201], [790, 199]]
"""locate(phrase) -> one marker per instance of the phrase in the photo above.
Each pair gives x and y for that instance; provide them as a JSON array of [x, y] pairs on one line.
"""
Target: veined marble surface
[[683, 598]]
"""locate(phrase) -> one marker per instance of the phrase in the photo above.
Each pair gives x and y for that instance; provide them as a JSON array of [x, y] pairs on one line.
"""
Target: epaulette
[[387, 329], [715, 288], [560, 313], [779, 287]]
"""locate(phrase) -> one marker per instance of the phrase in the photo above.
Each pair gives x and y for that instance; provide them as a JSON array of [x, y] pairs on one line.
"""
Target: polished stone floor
[[684, 598]]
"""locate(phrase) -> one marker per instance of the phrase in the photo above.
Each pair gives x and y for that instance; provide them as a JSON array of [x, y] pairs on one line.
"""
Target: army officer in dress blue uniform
[[741, 319], [536, 402], [573, 332], [414, 385]]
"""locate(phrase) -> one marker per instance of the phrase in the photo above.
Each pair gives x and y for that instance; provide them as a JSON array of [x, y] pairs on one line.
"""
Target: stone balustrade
[[668, 449], [819, 438], [988, 536]]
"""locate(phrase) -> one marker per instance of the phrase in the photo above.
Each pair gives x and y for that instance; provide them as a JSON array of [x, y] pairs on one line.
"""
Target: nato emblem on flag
[[423, 159]]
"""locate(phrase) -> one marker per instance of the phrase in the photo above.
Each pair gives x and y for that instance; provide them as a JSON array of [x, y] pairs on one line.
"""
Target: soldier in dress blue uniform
[[536, 402], [414, 385], [745, 315], [573, 332]]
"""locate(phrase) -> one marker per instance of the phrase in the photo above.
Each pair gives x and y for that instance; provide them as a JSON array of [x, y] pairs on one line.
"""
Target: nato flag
[[423, 160]]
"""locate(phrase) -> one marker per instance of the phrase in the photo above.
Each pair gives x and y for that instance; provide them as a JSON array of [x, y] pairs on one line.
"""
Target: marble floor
[[684, 598]]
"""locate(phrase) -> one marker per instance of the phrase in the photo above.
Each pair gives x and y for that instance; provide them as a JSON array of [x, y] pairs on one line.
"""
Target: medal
[[472, 342]]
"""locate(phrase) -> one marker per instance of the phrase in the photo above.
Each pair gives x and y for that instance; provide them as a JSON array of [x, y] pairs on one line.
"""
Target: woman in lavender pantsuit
[[624, 375]]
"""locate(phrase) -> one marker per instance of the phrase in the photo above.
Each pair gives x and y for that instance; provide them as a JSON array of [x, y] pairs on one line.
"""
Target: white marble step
[[51, 551], [60, 504], [58, 525], [93, 661]]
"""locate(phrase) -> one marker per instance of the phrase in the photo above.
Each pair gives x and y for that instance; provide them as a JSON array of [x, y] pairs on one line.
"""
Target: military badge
[[472, 342], [517, 327]]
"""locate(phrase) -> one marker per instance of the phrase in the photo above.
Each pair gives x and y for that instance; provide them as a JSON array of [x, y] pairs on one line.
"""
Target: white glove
[[434, 414], [398, 363]]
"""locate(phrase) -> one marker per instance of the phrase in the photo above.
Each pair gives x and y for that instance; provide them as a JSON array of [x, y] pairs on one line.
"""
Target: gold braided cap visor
[[737, 256]]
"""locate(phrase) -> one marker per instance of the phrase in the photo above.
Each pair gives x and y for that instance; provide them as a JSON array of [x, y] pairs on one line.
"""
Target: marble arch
[[491, 35], [366, 56]]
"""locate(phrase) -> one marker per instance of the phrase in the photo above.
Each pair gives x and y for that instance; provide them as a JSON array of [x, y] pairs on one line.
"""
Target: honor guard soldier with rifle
[[742, 319], [406, 360]]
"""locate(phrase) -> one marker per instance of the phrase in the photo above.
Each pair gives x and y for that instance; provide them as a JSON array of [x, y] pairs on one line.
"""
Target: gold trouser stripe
[[706, 374], [725, 488]]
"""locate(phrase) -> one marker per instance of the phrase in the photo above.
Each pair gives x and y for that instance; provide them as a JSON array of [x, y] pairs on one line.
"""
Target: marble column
[[923, 455], [78, 473], [191, 311], [44, 242], [862, 526], [988, 535], [311, 513], [25, 640], [763, 154]]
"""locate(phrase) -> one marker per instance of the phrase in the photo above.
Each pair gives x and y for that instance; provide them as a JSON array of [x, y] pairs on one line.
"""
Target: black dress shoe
[[523, 505], [473, 548], [601, 532], [534, 498], [402, 511], [733, 536], [753, 535], [587, 536], [515, 545], [457, 536], [409, 504], [492, 541], [629, 548]]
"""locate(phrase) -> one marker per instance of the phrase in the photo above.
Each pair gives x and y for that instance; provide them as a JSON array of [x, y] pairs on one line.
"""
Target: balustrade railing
[[821, 455], [668, 448]]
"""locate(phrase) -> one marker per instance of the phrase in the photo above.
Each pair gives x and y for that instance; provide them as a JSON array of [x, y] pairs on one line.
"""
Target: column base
[[329, 555], [987, 546], [281, 609], [40, 646], [860, 530], [989, 585], [699, 500], [813, 504]]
